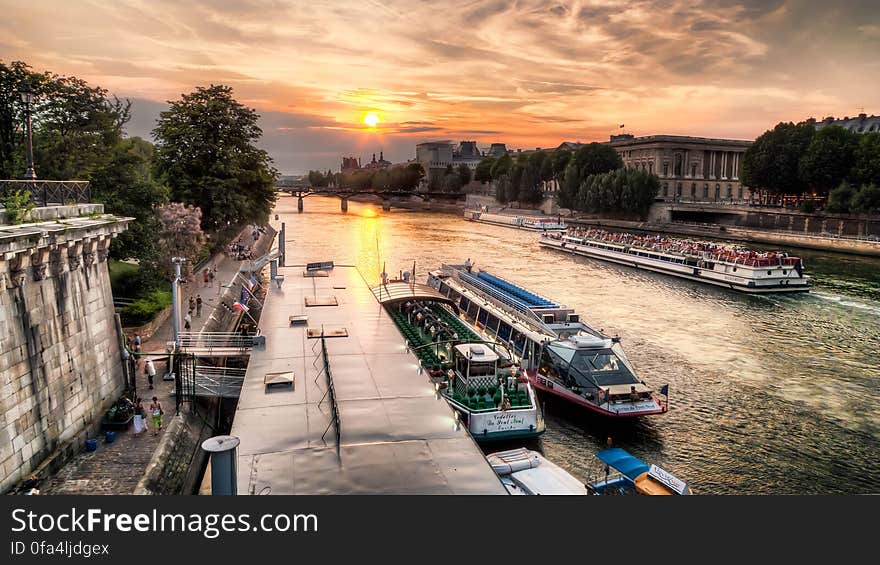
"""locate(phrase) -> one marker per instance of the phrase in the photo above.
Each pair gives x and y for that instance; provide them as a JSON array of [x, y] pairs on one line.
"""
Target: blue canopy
[[623, 462]]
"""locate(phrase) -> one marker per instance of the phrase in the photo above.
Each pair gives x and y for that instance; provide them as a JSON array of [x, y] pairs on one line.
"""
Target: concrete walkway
[[117, 467]]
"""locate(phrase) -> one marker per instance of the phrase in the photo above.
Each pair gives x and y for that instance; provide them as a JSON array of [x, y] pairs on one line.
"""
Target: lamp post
[[175, 301], [27, 98]]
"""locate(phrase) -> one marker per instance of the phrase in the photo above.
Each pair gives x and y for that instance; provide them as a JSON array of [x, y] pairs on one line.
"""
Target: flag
[[253, 281], [621, 125], [245, 294], [664, 390], [248, 282], [239, 306]]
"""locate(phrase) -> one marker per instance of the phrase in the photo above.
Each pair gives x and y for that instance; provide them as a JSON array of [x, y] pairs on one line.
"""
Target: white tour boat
[[729, 267], [560, 354], [520, 222]]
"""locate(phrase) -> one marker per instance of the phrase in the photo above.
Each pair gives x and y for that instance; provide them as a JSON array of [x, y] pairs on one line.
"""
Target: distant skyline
[[529, 73]]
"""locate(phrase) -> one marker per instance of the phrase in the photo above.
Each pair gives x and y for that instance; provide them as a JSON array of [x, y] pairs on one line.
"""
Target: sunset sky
[[528, 73]]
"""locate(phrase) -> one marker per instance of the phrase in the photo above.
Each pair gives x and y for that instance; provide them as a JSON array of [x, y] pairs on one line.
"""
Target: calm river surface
[[776, 394]]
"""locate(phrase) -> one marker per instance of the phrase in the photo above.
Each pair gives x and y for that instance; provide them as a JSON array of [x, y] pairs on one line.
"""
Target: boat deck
[[511, 291], [396, 434]]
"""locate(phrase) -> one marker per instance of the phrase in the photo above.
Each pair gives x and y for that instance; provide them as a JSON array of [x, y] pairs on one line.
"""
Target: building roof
[[680, 139], [862, 123]]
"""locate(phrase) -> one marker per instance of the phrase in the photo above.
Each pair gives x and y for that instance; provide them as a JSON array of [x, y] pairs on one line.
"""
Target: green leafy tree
[[318, 179], [483, 172], [207, 155], [126, 187], [451, 181], [840, 199], [866, 200], [501, 167], [829, 158], [621, 190], [866, 168], [772, 162], [592, 159], [464, 174]]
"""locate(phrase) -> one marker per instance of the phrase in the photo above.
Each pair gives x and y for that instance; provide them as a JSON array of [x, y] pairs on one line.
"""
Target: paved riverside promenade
[[116, 468]]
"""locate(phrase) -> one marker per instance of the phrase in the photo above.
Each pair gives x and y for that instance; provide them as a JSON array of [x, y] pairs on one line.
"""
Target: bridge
[[344, 194]]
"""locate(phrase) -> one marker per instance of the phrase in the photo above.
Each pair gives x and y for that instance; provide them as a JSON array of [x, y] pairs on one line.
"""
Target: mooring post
[[224, 464]]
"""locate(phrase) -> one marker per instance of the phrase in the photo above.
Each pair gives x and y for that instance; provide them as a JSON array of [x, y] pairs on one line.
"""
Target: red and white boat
[[560, 354]]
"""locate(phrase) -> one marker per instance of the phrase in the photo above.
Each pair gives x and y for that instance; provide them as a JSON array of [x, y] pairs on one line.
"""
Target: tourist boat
[[477, 378], [560, 354], [627, 474], [730, 267], [527, 472], [519, 222]]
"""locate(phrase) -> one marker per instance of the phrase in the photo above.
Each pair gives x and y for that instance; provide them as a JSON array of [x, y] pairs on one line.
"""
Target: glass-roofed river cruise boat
[[560, 354]]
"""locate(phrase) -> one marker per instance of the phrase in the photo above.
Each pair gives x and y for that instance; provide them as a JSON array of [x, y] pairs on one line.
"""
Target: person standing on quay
[[139, 424], [187, 321], [149, 371], [156, 411], [198, 306], [206, 276]]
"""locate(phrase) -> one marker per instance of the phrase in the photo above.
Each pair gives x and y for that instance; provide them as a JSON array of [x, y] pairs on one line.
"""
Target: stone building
[[690, 168], [436, 156], [60, 356]]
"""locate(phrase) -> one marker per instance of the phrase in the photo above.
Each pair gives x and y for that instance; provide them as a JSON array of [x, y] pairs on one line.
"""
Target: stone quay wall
[[60, 359]]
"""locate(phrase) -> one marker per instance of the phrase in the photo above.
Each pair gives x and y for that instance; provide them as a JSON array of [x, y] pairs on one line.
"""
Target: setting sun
[[372, 119]]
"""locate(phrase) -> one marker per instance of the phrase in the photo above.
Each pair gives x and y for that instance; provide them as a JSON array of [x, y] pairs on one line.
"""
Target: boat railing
[[331, 392], [500, 300]]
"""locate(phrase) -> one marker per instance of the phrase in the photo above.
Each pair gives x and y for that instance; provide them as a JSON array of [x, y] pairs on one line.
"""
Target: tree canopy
[[206, 153], [592, 159]]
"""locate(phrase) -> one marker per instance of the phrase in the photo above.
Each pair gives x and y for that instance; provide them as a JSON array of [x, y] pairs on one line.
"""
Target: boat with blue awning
[[560, 354], [626, 474]]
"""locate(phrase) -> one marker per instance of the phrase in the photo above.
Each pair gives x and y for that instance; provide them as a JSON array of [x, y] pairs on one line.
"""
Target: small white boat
[[523, 471], [519, 222]]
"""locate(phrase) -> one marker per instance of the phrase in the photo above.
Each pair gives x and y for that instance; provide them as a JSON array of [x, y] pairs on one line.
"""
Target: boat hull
[[509, 222], [710, 277], [502, 425]]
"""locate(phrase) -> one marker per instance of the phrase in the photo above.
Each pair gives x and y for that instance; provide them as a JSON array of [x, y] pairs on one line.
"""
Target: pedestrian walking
[[192, 303], [149, 371], [157, 412], [211, 274], [187, 321], [140, 423], [206, 276], [137, 342], [198, 306]]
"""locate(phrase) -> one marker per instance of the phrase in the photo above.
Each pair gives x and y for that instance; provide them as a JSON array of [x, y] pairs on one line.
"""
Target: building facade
[[436, 156], [690, 168], [863, 123]]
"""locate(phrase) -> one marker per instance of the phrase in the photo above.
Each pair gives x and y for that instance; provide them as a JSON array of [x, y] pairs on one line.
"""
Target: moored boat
[[527, 472], [732, 267], [520, 222], [626, 474], [478, 379], [560, 354]]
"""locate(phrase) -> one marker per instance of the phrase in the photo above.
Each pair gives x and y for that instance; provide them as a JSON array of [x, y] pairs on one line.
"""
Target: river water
[[768, 394]]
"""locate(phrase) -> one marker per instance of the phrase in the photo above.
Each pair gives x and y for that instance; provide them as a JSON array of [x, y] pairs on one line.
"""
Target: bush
[[145, 310], [807, 206]]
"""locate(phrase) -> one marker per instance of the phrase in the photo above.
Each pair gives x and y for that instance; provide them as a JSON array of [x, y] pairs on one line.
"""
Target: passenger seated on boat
[[633, 395]]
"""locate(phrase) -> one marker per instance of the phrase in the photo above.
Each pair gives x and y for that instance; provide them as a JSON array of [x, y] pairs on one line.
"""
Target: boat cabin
[[626, 474]]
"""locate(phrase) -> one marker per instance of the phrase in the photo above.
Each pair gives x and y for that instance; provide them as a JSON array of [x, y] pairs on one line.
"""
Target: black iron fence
[[49, 192]]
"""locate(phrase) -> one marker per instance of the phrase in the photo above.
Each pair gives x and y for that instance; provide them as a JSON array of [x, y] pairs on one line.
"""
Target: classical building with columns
[[690, 168]]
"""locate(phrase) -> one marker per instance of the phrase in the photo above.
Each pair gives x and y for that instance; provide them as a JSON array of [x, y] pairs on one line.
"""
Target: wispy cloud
[[529, 73]]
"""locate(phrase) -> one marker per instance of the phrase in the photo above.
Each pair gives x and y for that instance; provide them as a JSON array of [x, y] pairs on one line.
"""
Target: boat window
[[504, 331], [481, 317], [472, 310], [464, 304], [491, 323], [481, 369], [444, 289]]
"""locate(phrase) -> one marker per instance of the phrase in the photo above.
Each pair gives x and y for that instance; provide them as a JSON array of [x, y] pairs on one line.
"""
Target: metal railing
[[331, 392], [204, 343], [49, 192], [210, 381]]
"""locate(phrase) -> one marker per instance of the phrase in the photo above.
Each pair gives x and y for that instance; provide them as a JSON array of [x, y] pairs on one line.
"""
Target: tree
[[126, 187], [317, 179], [483, 172], [772, 162], [829, 158], [866, 168], [206, 153], [866, 200], [620, 190], [180, 233], [501, 167], [840, 198], [451, 181], [592, 159], [464, 174]]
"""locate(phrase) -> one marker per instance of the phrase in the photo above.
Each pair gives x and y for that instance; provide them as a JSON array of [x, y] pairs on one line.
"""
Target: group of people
[[665, 244], [195, 305], [240, 250], [156, 412]]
